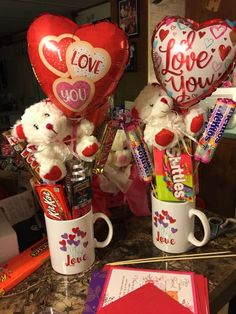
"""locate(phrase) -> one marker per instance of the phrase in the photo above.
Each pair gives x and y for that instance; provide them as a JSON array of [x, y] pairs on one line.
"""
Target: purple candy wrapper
[[94, 291]]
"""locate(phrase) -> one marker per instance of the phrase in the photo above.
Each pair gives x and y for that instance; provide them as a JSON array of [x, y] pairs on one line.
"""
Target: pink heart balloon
[[191, 60]]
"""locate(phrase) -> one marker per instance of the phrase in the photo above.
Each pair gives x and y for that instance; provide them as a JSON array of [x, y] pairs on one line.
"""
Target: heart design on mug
[[64, 236], [63, 248], [76, 243], [62, 242], [165, 224], [75, 230], [81, 233], [181, 72], [74, 93], [155, 223], [164, 212], [174, 230], [70, 242], [85, 244], [172, 220], [161, 217], [71, 236]]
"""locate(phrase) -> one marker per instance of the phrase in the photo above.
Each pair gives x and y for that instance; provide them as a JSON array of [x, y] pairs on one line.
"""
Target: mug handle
[[206, 227], [100, 244]]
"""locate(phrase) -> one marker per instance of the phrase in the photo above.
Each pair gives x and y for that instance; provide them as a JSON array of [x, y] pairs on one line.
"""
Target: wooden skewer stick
[[175, 258]]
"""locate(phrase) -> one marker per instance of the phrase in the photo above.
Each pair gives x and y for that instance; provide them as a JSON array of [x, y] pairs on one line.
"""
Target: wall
[[156, 13], [132, 82], [18, 85], [203, 10], [21, 81], [95, 13]]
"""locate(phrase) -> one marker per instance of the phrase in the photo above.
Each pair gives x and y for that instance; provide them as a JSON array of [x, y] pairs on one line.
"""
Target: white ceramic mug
[[72, 243], [173, 226]]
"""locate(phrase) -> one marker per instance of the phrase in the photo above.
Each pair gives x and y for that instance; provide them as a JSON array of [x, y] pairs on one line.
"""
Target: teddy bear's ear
[[18, 131]]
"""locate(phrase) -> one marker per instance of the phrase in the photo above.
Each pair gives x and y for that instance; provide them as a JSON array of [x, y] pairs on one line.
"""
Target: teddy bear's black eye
[[151, 105], [36, 126], [47, 115]]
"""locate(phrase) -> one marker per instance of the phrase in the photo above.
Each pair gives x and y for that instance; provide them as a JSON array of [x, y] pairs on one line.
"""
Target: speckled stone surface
[[132, 239]]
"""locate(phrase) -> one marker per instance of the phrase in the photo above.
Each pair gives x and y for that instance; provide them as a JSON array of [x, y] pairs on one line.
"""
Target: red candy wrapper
[[25, 152], [22, 265], [106, 144], [53, 201]]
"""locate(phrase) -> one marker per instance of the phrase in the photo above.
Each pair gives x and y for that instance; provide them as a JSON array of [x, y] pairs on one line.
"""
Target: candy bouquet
[[55, 137], [78, 68], [166, 132], [185, 55]]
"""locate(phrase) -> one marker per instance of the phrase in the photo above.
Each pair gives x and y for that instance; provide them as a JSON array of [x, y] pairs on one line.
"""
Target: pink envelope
[[147, 299]]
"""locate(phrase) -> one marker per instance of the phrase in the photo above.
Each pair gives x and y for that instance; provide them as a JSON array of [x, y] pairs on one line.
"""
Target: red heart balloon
[[191, 60], [78, 67]]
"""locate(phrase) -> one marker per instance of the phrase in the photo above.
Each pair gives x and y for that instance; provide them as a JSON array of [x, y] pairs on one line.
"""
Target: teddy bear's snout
[[123, 160], [49, 126], [164, 100]]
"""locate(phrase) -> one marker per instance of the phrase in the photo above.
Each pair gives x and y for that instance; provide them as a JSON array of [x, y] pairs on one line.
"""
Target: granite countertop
[[132, 239]]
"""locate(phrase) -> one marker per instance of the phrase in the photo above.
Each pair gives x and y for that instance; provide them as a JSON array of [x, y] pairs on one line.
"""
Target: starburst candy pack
[[174, 173]]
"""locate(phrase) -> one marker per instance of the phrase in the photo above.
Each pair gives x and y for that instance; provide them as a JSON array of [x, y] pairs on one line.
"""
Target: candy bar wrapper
[[220, 117], [53, 201], [23, 150], [78, 187], [174, 174], [22, 265], [139, 151], [106, 144], [82, 197]]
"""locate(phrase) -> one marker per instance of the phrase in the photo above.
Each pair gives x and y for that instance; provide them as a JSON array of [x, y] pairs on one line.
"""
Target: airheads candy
[[174, 174]]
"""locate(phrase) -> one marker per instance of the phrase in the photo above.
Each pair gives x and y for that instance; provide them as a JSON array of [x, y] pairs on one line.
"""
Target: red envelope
[[202, 294], [147, 299]]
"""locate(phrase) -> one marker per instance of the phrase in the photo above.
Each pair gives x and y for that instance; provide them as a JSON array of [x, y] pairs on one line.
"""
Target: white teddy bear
[[118, 165], [164, 126], [55, 138], [120, 182]]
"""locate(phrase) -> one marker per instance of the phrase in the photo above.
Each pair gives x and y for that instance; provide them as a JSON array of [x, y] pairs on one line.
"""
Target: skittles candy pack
[[174, 173]]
